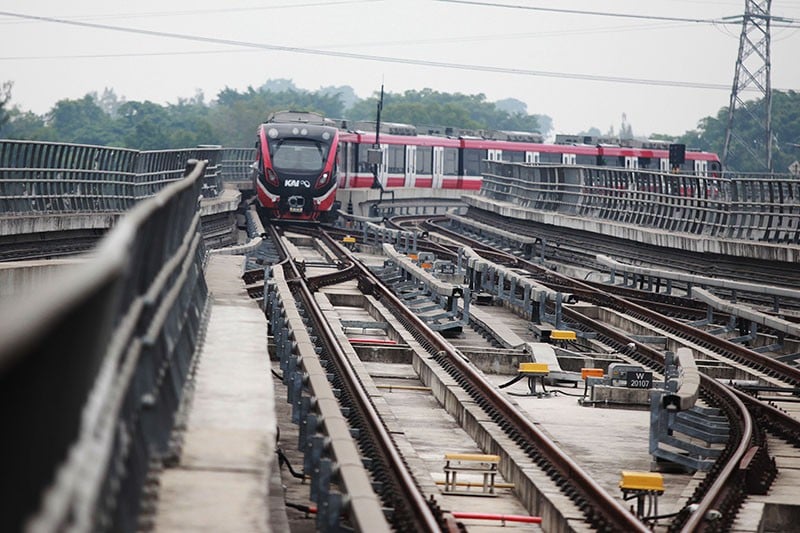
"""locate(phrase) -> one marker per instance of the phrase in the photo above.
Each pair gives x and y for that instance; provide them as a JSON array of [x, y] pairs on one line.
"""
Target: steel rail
[[365, 510], [421, 514], [602, 510], [726, 479], [737, 352]]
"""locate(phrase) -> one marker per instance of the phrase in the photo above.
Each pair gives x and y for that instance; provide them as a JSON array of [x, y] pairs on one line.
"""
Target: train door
[[568, 159], [494, 155], [700, 167], [438, 167], [663, 164], [532, 157], [411, 165], [631, 162], [346, 164], [383, 173]]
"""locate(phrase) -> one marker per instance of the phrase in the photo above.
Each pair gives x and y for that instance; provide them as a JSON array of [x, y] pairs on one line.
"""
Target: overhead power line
[[375, 58], [788, 23], [223, 10]]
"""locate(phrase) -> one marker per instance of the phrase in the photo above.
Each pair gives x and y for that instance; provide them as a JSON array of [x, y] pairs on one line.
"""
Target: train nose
[[296, 204]]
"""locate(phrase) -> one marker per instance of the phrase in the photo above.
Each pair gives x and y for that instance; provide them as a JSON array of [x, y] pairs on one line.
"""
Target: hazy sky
[[558, 63]]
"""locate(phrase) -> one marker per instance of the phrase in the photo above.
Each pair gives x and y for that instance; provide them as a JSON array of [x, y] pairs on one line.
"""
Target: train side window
[[259, 159], [514, 157], [472, 161], [548, 157], [450, 162], [424, 160], [361, 158], [397, 159]]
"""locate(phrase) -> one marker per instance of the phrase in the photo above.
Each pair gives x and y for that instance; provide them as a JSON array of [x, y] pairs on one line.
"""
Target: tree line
[[232, 117]]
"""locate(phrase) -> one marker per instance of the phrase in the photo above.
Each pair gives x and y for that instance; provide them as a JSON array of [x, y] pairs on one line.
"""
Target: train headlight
[[323, 179]]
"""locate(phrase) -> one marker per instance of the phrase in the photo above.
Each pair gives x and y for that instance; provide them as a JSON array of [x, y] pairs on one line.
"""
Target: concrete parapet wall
[[25, 225], [661, 238], [22, 277], [227, 201], [40, 223], [361, 199]]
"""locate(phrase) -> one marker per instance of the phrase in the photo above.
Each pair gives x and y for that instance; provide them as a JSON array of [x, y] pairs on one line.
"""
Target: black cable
[[504, 385], [554, 391], [283, 460], [300, 507]]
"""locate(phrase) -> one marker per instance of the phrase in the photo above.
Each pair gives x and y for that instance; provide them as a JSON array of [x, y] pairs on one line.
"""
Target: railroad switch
[[553, 336], [562, 335], [596, 375], [349, 242], [534, 372], [645, 487]]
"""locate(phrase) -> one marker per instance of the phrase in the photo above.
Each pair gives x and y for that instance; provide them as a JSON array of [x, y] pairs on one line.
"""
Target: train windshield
[[304, 155]]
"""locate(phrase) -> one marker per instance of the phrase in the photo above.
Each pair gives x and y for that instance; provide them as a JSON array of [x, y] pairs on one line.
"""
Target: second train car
[[454, 162]]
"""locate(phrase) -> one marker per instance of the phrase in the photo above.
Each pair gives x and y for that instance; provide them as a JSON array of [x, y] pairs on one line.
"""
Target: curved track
[[726, 485]]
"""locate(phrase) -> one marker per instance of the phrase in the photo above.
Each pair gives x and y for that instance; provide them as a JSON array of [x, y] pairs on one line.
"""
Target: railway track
[[571, 246], [733, 476], [602, 511], [726, 487], [332, 385]]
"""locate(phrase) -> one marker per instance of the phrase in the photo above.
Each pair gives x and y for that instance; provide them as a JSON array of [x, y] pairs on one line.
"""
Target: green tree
[[512, 106], [25, 125], [81, 121], [236, 115], [344, 93], [189, 123], [432, 108], [710, 133], [144, 126]]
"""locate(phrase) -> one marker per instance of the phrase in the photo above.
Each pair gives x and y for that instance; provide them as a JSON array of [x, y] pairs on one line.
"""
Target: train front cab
[[295, 170]]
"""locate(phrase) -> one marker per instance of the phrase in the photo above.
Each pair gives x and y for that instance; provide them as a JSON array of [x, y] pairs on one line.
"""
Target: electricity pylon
[[752, 72]]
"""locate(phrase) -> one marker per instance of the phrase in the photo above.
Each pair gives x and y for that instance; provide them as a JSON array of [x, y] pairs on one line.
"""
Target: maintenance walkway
[[220, 481]]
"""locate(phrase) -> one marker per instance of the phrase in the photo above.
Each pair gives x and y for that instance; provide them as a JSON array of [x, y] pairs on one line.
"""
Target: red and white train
[[454, 162], [302, 158]]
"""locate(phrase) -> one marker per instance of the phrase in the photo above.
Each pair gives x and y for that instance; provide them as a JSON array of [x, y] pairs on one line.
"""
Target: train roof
[[299, 117]]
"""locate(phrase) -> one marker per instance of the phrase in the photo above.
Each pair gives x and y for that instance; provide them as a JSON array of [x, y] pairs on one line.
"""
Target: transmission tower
[[753, 74]]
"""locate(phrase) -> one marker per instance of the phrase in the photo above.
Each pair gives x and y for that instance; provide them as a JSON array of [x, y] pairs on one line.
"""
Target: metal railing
[[58, 178], [237, 163], [92, 367], [746, 207]]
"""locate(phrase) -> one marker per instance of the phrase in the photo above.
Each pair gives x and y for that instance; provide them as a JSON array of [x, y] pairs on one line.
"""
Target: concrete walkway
[[221, 480]]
